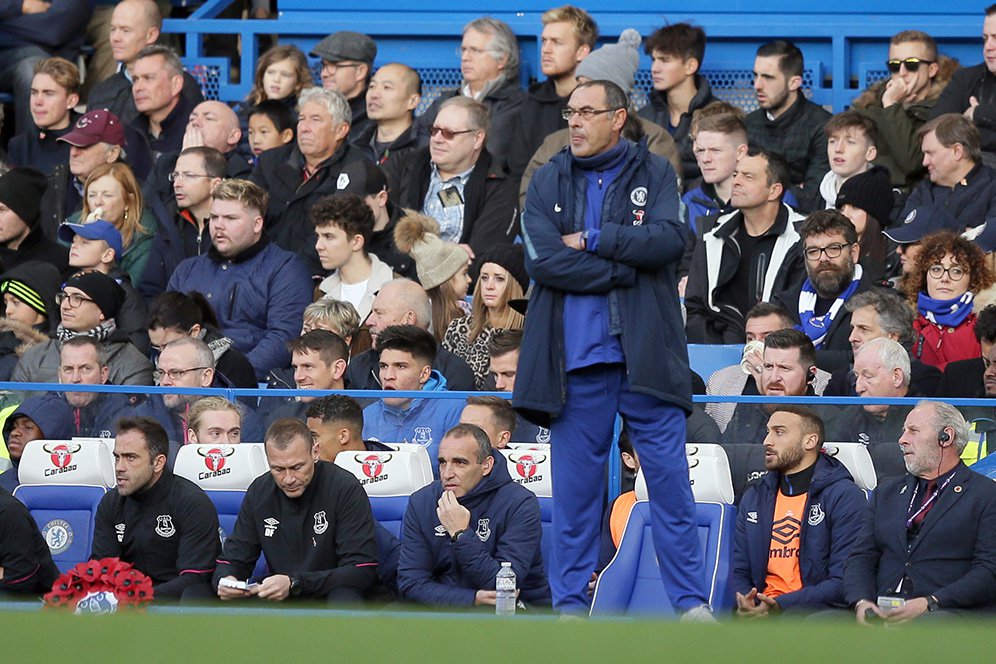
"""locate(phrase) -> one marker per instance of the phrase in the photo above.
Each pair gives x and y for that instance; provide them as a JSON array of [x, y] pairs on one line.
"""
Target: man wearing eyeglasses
[[457, 181], [833, 276], [347, 63], [603, 238], [489, 64], [900, 104], [972, 90]]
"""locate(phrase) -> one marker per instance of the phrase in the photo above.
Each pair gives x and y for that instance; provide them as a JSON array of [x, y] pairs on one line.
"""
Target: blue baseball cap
[[94, 230], [921, 222]]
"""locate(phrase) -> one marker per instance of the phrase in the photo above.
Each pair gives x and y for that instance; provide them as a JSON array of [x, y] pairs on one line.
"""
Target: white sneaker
[[700, 614]]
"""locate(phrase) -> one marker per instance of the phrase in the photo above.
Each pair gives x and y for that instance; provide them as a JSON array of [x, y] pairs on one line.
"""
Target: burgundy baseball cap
[[94, 127]]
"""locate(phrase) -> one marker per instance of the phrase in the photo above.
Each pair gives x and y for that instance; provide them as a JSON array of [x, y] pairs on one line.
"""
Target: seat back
[[746, 464], [62, 483], [530, 466], [221, 467], [401, 472], [708, 474], [631, 583], [857, 460], [704, 359]]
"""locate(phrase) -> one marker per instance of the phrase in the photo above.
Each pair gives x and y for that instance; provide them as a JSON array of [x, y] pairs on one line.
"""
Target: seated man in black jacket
[[25, 558], [456, 182], [312, 521], [929, 537], [164, 525]]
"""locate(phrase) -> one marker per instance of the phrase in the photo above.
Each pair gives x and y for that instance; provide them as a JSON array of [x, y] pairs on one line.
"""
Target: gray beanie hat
[[614, 62], [436, 261]]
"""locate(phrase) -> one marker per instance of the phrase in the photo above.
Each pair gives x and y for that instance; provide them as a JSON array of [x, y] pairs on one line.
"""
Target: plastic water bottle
[[505, 585]]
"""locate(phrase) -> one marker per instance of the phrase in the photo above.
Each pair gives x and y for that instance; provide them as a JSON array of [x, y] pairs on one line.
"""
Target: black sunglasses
[[911, 64]]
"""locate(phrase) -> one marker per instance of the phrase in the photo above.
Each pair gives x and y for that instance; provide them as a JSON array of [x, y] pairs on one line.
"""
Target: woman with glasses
[[947, 274], [112, 193]]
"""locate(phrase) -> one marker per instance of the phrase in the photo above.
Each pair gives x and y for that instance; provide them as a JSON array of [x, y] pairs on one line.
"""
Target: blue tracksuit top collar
[[436, 383]]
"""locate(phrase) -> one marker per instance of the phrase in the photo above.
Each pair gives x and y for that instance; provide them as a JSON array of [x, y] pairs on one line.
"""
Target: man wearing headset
[[928, 543]]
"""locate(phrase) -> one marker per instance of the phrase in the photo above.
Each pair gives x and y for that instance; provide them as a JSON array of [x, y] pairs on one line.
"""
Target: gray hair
[[203, 352], [503, 43], [475, 432], [170, 59], [331, 100], [947, 416], [894, 316], [892, 355], [478, 115]]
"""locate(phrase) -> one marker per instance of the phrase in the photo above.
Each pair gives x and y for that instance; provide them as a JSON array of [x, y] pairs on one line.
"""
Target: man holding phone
[[928, 543]]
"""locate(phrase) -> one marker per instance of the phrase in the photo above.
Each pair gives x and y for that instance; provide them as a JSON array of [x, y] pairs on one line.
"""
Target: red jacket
[[937, 345]]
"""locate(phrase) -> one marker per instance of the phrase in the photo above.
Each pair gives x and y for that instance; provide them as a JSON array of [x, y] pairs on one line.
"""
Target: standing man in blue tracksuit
[[796, 524], [604, 335]]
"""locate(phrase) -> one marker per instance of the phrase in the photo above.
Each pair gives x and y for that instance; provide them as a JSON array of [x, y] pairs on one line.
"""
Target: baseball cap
[[94, 127], [921, 222], [94, 230], [361, 178], [346, 45]]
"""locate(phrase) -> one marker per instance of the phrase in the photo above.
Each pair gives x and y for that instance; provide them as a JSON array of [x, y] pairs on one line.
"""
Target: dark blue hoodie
[[835, 510], [504, 527], [53, 417]]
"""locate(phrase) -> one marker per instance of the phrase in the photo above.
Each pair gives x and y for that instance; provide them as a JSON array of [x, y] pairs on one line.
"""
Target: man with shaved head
[[135, 24], [403, 302], [392, 97]]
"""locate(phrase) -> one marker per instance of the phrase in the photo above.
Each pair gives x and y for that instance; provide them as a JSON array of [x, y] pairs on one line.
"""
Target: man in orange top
[[796, 524]]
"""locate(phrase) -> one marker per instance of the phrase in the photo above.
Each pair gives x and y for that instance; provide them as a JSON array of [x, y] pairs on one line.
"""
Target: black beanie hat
[[508, 256], [35, 283], [22, 189], [870, 191], [102, 289]]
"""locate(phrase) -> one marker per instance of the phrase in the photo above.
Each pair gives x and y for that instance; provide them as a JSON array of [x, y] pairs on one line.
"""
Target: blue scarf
[[816, 327], [948, 313]]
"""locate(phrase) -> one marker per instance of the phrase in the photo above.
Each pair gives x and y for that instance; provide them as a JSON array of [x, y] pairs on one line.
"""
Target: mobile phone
[[890, 603], [234, 584]]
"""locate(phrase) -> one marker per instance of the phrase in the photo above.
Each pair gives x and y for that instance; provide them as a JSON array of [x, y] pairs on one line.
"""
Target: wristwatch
[[932, 603], [584, 240], [455, 536], [295, 585]]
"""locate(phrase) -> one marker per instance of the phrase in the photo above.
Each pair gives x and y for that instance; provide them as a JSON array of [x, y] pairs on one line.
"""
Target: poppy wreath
[[100, 586]]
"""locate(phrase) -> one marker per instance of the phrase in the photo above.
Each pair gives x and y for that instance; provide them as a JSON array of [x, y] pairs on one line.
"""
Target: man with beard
[[83, 361], [929, 537], [788, 370], [779, 564], [831, 251]]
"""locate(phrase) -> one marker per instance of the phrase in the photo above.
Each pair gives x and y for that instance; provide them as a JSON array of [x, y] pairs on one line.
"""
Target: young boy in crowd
[[851, 139], [271, 124]]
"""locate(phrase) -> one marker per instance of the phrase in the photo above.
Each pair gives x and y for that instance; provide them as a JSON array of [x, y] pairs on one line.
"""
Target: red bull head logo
[[373, 467], [62, 457], [527, 467], [214, 460]]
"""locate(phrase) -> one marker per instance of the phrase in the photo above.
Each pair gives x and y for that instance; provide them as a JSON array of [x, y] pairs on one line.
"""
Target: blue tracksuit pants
[[583, 435]]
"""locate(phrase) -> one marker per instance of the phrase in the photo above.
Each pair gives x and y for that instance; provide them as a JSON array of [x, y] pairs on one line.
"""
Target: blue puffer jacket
[[259, 298], [834, 514], [504, 527], [634, 262]]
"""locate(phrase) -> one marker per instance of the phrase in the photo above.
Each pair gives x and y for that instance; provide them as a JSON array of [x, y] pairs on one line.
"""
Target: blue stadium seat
[[529, 465], [62, 483], [631, 584], [389, 478], [707, 358]]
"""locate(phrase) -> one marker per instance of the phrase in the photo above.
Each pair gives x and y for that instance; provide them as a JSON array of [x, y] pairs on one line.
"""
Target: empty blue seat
[[706, 358]]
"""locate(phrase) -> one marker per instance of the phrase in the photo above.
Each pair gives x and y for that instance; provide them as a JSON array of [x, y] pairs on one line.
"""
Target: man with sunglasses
[[603, 238], [833, 275], [972, 90], [901, 104], [456, 181]]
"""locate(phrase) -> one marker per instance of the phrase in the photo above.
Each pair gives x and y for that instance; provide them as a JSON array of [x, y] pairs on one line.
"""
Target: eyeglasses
[[911, 64], [174, 176], [448, 134], [831, 250], [74, 299], [331, 67], [470, 50], [585, 113], [174, 374], [956, 272]]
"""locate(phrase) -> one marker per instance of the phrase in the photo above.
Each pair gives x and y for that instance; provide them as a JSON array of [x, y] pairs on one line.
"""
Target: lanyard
[[927, 503]]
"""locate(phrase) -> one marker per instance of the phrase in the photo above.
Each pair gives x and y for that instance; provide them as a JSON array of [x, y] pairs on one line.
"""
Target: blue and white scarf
[[947, 313], [816, 327]]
